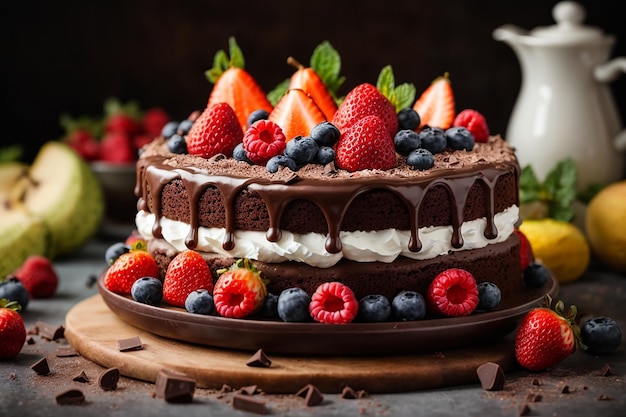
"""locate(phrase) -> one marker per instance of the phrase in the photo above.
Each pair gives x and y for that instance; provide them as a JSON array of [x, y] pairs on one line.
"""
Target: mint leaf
[[221, 61], [405, 96], [326, 62], [276, 94], [386, 83], [236, 55], [530, 188]]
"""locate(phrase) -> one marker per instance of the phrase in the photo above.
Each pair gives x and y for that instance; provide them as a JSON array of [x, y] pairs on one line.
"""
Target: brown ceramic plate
[[325, 339]]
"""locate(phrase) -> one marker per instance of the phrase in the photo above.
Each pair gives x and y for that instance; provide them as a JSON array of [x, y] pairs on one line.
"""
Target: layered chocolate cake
[[377, 231]]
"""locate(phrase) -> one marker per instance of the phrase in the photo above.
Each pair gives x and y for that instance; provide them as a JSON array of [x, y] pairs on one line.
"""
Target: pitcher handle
[[609, 71]]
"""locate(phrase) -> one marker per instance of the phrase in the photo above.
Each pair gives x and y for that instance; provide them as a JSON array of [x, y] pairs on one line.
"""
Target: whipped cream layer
[[376, 246]]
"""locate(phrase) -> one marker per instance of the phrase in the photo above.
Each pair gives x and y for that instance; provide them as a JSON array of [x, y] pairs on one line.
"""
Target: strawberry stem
[[293, 62], [10, 305]]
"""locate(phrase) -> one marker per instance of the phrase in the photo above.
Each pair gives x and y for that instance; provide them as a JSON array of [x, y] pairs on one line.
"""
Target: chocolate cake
[[377, 231]]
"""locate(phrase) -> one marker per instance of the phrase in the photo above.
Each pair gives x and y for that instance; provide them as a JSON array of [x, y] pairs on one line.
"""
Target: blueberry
[[489, 296], [408, 306], [147, 290], [115, 251], [13, 290], [459, 138], [601, 335], [184, 126], [421, 159], [277, 161], [433, 139], [256, 115], [536, 275], [325, 134], [177, 144], [239, 153], [374, 308], [325, 155], [408, 119], [200, 302], [293, 305], [302, 149], [269, 309], [169, 129], [406, 141]]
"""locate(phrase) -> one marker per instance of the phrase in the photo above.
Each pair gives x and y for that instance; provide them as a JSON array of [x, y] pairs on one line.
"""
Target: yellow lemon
[[606, 225], [560, 246]]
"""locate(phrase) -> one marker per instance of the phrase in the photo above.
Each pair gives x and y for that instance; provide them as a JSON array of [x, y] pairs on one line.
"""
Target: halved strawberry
[[436, 104], [296, 113], [239, 290], [305, 78], [235, 86]]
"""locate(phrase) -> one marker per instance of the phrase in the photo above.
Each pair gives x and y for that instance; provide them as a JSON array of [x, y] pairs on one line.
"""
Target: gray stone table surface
[[575, 387]]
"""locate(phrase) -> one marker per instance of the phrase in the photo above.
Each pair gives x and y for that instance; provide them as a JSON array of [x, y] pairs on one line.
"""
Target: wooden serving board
[[94, 331]]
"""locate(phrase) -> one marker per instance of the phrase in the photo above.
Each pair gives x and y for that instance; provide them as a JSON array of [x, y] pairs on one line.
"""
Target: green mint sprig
[[401, 96], [223, 61], [557, 191]]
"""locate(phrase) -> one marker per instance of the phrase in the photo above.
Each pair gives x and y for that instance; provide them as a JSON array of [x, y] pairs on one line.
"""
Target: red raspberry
[[263, 140], [187, 272], [239, 291], [526, 252], [453, 293], [474, 122], [333, 303]]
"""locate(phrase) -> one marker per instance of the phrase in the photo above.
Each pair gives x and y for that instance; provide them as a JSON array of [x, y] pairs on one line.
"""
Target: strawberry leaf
[[221, 61], [236, 55], [276, 94]]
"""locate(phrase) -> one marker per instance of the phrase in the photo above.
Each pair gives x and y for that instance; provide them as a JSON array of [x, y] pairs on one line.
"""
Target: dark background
[[70, 56]]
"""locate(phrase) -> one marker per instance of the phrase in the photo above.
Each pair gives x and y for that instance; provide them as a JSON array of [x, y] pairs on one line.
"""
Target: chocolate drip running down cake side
[[377, 231]]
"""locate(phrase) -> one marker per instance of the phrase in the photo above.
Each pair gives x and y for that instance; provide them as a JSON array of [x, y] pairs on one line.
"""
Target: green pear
[[62, 190], [21, 234]]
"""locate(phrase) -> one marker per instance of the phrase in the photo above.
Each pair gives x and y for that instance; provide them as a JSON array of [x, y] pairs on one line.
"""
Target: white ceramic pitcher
[[565, 107]]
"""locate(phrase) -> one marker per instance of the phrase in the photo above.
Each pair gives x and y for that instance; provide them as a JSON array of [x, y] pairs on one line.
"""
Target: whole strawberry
[[117, 147], [187, 272], [12, 329], [239, 290], [216, 131], [127, 269], [546, 336], [38, 276], [366, 145], [365, 100]]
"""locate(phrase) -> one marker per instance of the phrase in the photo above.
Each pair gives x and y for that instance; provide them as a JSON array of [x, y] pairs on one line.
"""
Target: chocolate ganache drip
[[332, 197]]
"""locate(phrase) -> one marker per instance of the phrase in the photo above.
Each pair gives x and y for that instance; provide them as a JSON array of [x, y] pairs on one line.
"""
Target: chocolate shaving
[[567, 390], [132, 343], [491, 376], [259, 360], [91, 281], [606, 370], [249, 404], [41, 367], [82, 377], [347, 393], [603, 397], [175, 387], [311, 394], [217, 157], [226, 388], [70, 397], [536, 381], [65, 351], [108, 379], [50, 332]]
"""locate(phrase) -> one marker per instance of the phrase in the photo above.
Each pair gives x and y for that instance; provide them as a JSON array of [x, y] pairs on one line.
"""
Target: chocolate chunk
[[64, 351], [524, 410], [249, 404], [91, 281], [606, 370], [174, 387], [259, 360], [50, 332], [567, 390], [70, 397], [82, 377], [132, 343], [347, 393], [311, 394], [603, 397], [41, 367], [534, 398], [226, 388], [536, 381], [491, 376], [249, 390], [108, 379], [30, 341]]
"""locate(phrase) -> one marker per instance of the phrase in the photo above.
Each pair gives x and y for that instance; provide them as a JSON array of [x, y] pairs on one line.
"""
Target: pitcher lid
[[569, 28]]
